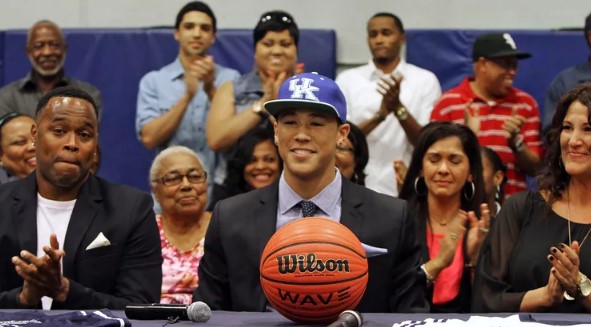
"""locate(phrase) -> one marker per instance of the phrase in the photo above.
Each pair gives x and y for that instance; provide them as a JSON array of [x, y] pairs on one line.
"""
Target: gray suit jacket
[[241, 226], [129, 270]]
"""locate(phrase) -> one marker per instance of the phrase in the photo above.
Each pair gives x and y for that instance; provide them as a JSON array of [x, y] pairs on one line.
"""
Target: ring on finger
[[453, 236], [483, 230]]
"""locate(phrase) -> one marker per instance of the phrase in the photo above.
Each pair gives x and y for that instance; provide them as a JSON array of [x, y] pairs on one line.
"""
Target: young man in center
[[310, 114]]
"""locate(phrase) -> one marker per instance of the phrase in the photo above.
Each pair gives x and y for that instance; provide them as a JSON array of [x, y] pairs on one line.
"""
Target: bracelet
[[470, 265], [379, 117], [430, 279]]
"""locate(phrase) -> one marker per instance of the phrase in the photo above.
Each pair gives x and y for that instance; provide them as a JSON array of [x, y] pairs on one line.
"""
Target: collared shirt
[[328, 201], [493, 115], [160, 90], [23, 95], [562, 83], [6, 176], [419, 90]]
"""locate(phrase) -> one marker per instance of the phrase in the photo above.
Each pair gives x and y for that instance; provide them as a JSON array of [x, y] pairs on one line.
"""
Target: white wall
[[347, 17]]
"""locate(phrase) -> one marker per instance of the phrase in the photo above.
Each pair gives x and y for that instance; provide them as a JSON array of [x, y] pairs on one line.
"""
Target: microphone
[[348, 318], [196, 311]]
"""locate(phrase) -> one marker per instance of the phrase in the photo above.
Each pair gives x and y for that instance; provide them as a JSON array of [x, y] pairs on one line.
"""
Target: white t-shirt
[[419, 90], [53, 217]]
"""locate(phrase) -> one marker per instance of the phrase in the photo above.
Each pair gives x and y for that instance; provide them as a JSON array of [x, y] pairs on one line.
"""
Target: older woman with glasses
[[17, 151], [179, 184], [237, 106]]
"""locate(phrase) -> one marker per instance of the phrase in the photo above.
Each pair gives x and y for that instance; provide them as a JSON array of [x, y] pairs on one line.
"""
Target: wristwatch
[[401, 113], [584, 285], [583, 288], [518, 143], [257, 108]]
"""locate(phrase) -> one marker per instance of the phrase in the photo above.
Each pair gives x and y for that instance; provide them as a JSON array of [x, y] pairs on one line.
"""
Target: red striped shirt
[[453, 103]]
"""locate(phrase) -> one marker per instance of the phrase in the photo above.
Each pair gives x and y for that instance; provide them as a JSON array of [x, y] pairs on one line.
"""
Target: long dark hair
[[554, 177], [360, 152], [242, 156], [431, 133], [497, 164]]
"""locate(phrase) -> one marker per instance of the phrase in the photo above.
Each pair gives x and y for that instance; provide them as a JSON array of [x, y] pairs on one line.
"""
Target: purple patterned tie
[[308, 208]]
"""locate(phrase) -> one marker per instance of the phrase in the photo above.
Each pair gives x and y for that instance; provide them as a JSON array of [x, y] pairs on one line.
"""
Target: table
[[268, 319]]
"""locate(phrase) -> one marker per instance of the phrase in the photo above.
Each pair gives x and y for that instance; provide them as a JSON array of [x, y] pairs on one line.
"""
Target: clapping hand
[[400, 171], [272, 83], [42, 275], [477, 232], [472, 117], [565, 266], [200, 70], [449, 243], [389, 88], [512, 125]]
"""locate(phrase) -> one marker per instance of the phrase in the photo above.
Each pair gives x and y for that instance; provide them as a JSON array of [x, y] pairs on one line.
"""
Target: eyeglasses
[[8, 117], [193, 176], [277, 17]]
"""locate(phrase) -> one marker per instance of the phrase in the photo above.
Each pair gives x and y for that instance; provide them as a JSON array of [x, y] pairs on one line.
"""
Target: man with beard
[[173, 102], [389, 99], [69, 239], [502, 116], [46, 50]]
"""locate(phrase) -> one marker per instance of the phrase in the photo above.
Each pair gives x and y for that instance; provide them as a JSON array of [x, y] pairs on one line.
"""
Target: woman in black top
[[537, 253]]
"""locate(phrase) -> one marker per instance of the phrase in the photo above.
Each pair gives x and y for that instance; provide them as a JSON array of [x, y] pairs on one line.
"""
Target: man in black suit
[[111, 247], [309, 122]]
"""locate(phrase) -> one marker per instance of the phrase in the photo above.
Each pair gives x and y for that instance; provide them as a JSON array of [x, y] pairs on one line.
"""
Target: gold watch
[[401, 113], [583, 288], [257, 108]]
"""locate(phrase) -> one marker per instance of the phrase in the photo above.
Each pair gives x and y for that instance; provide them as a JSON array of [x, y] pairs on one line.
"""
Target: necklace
[[570, 241], [441, 223]]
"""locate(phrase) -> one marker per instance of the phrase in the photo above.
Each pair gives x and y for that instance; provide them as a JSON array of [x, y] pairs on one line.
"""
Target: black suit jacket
[[129, 270], [241, 226]]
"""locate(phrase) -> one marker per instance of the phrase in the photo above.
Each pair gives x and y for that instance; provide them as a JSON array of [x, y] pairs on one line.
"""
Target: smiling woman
[[179, 184], [17, 151], [254, 164], [537, 255]]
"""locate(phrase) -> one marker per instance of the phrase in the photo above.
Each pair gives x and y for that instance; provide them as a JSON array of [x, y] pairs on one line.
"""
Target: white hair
[[166, 153]]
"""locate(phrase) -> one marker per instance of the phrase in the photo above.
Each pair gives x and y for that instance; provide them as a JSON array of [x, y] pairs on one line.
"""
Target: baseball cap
[[310, 91], [496, 45]]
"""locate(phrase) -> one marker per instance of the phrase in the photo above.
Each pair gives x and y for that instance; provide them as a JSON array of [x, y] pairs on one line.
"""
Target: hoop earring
[[469, 198], [498, 193], [417, 186]]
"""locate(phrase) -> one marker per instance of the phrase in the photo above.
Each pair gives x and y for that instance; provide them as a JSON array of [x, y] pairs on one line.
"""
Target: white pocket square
[[372, 251], [99, 242]]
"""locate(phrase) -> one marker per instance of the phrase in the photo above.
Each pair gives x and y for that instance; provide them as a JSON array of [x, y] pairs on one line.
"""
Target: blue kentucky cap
[[310, 91]]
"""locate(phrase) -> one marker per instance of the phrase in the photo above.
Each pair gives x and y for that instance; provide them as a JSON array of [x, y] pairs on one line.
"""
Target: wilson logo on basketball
[[288, 264]]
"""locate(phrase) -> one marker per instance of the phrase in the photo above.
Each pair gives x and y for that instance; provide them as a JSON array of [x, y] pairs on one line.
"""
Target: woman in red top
[[444, 186]]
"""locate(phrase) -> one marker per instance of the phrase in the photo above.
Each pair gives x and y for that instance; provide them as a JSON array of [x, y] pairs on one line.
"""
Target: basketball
[[312, 269]]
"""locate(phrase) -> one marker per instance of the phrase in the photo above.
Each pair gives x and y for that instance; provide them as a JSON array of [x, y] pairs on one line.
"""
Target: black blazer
[[129, 270], [241, 226]]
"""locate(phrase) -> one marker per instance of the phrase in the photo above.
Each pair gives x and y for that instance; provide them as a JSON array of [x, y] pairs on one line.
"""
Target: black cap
[[496, 45]]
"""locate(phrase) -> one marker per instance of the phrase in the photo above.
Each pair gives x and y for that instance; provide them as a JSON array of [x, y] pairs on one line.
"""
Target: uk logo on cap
[[303, 89], [310, 91]]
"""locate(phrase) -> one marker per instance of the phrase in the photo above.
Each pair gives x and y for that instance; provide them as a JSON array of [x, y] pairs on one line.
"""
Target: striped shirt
[[453, 103]]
